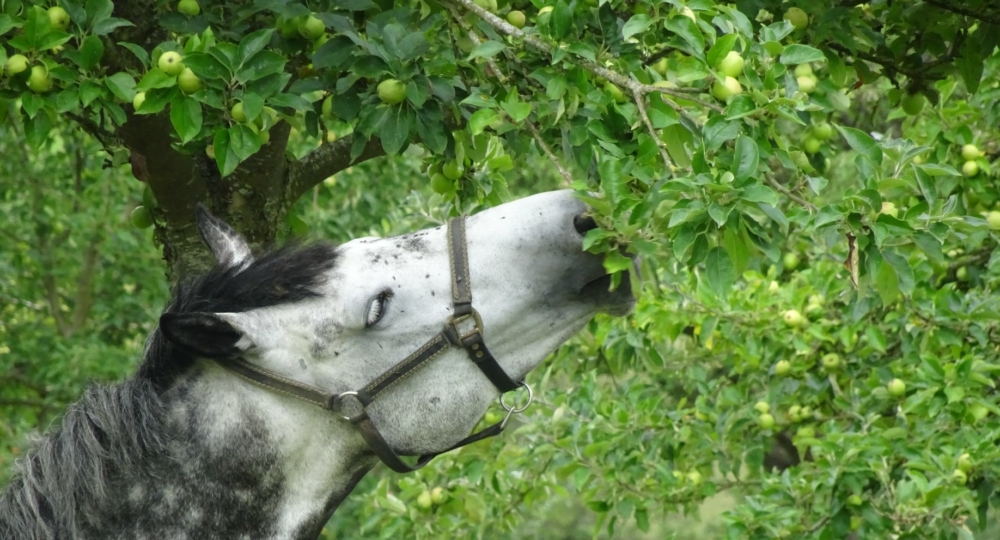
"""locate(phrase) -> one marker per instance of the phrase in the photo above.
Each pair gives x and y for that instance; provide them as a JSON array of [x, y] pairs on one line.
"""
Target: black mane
[[288, 274]]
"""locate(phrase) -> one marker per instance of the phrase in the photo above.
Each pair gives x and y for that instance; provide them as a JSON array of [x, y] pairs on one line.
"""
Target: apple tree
[[809, 187]]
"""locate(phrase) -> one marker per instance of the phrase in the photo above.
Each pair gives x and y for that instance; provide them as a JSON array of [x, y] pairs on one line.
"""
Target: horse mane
[[113, 428]]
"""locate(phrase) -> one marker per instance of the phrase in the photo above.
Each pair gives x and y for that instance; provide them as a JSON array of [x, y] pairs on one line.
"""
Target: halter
[[463, 329]]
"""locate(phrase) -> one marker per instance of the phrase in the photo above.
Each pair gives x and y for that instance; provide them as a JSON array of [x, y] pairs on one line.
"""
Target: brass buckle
[[477, 329], [514, 409]]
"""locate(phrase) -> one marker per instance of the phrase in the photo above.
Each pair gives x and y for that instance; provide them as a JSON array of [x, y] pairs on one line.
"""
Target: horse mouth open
[[617, 302]]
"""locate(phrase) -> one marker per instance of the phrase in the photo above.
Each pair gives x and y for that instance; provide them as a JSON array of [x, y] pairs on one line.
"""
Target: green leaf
[[185, 115], [745, 158], [887, 283], [635, 25], [334, 54], [89, 91], [486, 49], [761, 194], [38, 129], [252, 43], [798, 53], [720, 49], [243, 141], [518, 110], [480, 119], [616, 262], [107, 26], [224, 157], [36, 26], [720, 272], [262, 64], [689, 31], [98, 11], [91, 52], [394, 132], [718, 130], [7, 23], [122, 85], [207, 67], [155, 78], [862, 143], [138, 51]]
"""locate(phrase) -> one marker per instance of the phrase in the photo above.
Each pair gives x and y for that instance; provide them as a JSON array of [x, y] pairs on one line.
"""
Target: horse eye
[[377, 308]]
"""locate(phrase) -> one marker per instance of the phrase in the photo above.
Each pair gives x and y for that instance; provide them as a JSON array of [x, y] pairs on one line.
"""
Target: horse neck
[[214, 457]]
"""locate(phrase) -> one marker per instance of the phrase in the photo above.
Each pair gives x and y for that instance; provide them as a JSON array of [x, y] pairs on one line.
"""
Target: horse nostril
[[583, 223]]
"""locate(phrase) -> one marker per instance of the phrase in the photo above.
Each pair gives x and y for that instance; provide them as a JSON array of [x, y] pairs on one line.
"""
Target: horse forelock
[[289, 274]]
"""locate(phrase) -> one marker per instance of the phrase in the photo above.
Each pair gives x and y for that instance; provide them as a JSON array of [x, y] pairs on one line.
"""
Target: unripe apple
[[724, 89], [732, 64], [855, 500], [970, 152], [797, 17], [856, 522], [889, 209], [694, 477], [993, 218], [802, 70], [171, 63], [791, 260], [491, 417], [237, 113], [962, 274], [424, 500], [328, 107], [795, 413], [189, 7], [288, 28], [452, 170], [264, 136], [806, 432], [831, 361], [959, 476], [437, 495], [912, 104], [516, 18], [896, 387], [793, 318], [488, 5], [807, 83], [806, 413], [188, 82], [765, 421], [391, 91], [210, 151], [783, 367], [823, 131], [39, 81], [970, 169], [59, 18], [773, 287], [965, 463], [762, 407], [311, 28], [661, 66], [16, 64], [138, 100], [141, 218], [811, 145], [614, 91]]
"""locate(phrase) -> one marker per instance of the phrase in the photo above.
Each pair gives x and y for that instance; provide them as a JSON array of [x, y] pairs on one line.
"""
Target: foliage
[[827, 177]]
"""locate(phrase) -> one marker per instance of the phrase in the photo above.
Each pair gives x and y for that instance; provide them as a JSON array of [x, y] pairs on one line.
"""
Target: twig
[[23, 403], [962, 11], [774, 183], [639, 103], [548, 152]]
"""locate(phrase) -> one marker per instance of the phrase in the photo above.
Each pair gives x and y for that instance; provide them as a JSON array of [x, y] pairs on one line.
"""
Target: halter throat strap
[[463, 329]]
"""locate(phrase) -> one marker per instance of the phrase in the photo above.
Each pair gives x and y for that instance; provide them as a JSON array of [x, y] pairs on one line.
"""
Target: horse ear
[[207, 335], [228, 246]]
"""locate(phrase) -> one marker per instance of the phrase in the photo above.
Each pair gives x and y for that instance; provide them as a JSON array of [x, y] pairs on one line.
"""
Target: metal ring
[[515, 409], [349, 393]]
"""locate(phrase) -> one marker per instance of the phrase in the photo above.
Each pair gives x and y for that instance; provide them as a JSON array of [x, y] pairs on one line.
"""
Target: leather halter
[[456, 333]]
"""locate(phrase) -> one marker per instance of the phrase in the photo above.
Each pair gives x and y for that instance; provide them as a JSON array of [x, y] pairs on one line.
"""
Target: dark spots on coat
[[435, 400], [428, 276], [302, 364], [432, 293]]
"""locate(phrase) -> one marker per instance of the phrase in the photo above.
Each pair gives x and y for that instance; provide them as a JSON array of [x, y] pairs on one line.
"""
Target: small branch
[[325, 161], [23, 403], [107, 139], [774, 183], [639, 102], [548, 153], [985, 17], [887, 63]]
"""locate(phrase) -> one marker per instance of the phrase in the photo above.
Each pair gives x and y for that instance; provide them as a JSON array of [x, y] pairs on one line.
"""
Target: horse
[[274, 382]]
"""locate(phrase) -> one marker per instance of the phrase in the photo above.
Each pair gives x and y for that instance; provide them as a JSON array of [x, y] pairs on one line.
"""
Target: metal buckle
[[340, 398], [477, 329], [514, 409]]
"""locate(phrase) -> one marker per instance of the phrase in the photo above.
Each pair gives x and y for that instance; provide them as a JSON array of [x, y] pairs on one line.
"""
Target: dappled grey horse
[[274, 383]]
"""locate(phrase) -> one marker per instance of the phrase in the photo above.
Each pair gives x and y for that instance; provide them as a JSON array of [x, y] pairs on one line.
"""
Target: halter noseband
[[463, 329]]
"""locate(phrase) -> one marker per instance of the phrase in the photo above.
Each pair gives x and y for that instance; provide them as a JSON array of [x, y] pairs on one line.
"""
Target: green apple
[[797, 17], [138, 100], [970, 169], [993, 218], [965, 463], [516, 18], [791, 260], [896, 387], [424, 500], [732, 64], [59, 18], [793, 318], [773, 287], [855, 500], [823, 131], [171, 63], [237, 113], [188, 82], [311, 27], [795, 413], [391, 91], [959, 476], [441, 184], [288, 28], [264, 136], [661, 66], [39, 81], [806, 413], [141, 218], [189, 7], [831, 361], [614, 91], [889, 209], [970, 152], [437, 495], [806, 432], [328, 107], [765, 421], [856, 522], [320, 41], [726, 88], [962, 274], [912, 103], [802, 70], [488, 5], [807, 83], [811, 145], [452, 170], [694, 477], [782, 367], [16, 64], [762, 407]]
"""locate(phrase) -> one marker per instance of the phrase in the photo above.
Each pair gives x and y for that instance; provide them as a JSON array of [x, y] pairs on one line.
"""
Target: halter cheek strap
[[463, 329]]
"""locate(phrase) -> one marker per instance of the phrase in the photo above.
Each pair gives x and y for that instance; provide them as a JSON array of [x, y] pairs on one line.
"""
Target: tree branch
[[785, 191], [639, 103], [985, 17], [325, 161]]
